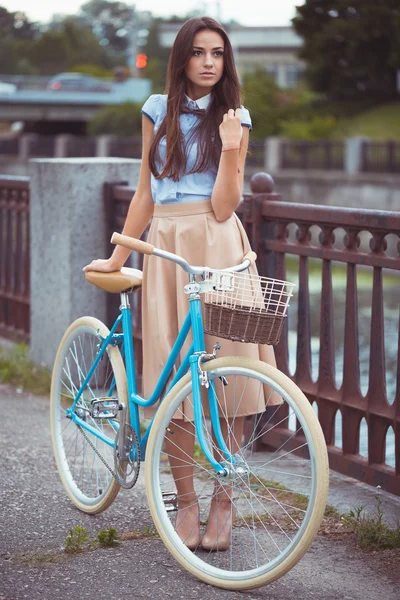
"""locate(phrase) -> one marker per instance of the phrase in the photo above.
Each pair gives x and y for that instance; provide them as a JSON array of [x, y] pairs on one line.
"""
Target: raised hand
[[231, 130]]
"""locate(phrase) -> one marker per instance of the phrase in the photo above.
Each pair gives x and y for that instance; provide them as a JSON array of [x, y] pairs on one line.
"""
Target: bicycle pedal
[[104, 408], [170, 501]]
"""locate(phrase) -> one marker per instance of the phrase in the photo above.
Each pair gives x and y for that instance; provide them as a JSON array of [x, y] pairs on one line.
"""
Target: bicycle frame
[[194, 323]]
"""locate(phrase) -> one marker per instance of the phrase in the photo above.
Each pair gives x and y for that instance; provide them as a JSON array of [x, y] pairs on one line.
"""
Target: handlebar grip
[[132, 243], [251, 256]]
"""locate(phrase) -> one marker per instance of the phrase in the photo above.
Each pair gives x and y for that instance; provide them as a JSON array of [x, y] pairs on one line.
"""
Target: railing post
[[103, 143], [61, 145], [353, 148], [272, 154], [262, 188], [24, 146]]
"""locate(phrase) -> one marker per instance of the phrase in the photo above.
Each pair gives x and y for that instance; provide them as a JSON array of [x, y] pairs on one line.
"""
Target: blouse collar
[[201, 102]]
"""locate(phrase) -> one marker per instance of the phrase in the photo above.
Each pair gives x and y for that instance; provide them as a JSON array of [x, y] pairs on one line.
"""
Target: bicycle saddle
[[125, 280]]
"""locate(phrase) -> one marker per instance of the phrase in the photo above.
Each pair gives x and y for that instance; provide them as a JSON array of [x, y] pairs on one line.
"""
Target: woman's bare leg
[[179, 443], [222, 514]]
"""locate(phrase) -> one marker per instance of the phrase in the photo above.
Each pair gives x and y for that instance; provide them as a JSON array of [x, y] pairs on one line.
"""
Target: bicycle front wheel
[[84, 461], [278, 493]]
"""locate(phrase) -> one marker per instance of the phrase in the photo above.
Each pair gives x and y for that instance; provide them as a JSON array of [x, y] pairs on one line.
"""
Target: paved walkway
[[36, 516]]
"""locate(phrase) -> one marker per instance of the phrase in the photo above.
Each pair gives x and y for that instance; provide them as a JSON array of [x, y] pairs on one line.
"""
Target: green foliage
[[16, 25], [77, 540], [155, 70], [261, 98], [317, 128], [352, 49], [111, 18], [17, 368], [381, 123], [26, 49], [108, 537], [50, 52], [371, 531], [269, 105], [122, 120]]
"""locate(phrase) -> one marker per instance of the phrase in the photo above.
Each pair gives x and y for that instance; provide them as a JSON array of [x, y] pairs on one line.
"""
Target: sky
[[246, 12]]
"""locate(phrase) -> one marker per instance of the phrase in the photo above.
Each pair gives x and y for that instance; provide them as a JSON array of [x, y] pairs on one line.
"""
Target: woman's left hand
[[231, 130]]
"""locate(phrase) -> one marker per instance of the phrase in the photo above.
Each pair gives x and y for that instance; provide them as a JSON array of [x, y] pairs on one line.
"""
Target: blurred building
[[272, 48]]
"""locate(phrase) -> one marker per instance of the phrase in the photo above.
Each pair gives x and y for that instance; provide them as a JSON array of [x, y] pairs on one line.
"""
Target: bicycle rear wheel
[[278, 494], [81, 456]]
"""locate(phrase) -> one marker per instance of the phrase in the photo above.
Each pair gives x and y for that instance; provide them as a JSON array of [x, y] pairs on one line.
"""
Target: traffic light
[[141, 61]]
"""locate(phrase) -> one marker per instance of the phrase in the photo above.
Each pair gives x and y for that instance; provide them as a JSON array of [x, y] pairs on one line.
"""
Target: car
[[7, 88], [77, 82]]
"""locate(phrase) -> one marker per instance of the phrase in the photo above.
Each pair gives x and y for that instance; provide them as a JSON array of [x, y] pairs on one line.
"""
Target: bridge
[[32, 105]]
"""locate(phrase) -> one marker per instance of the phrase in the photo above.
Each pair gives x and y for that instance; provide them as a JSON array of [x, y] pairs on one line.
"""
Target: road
[[36, 516]]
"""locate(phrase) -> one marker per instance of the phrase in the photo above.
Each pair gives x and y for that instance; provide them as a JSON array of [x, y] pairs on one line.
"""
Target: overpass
[[46, 105]]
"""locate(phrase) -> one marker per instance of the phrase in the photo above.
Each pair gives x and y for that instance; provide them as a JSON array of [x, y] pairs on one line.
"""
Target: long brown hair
[[225, 95]]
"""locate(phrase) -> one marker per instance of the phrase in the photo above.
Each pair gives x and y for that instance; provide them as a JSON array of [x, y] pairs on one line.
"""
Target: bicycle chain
[[98, 453]]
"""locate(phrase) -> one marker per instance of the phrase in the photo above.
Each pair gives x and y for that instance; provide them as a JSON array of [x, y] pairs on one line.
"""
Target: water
[[391, 328]]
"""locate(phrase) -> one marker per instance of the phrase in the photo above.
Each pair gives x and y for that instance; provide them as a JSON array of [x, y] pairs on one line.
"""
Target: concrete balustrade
[[68, 230]]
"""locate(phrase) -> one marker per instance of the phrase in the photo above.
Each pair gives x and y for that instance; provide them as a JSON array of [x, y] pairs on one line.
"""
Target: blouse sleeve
[[150, 107], [246, 119]]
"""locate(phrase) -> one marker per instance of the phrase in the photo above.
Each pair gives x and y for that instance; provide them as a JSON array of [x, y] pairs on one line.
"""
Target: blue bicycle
[[278, 494]]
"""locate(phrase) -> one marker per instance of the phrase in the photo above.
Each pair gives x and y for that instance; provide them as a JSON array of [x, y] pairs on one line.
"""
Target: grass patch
[[39, 559], [108, 537], [146, 533], [372, 533], [17, 369], [77, 540]]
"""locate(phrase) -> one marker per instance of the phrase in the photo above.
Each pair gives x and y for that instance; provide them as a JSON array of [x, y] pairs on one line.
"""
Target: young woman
[[195, 141]]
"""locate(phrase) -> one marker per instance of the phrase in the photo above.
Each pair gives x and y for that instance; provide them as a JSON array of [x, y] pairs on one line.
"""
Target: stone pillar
[[103, 145], [68, 230], [61, 145], [353, 155], [272, 154]]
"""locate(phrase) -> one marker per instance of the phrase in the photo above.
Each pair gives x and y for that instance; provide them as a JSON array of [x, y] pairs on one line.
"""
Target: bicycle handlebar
[[145, 248], [132, 243]]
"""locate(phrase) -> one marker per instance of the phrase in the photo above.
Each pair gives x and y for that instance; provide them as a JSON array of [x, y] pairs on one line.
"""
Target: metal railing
[[380, 157], [375, 157], [312, 155], [14, 258], [280, 232], [270, 227]]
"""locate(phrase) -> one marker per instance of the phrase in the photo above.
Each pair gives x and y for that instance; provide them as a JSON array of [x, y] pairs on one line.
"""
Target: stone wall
[[68, 230]]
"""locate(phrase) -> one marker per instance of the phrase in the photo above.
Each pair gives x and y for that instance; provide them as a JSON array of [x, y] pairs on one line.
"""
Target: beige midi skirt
[[192, 231]]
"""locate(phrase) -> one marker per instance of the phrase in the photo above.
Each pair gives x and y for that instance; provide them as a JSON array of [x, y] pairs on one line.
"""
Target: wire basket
[[245, 308]]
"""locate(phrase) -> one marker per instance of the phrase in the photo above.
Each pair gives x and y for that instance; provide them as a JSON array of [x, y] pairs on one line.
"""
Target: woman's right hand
[[104, 265]]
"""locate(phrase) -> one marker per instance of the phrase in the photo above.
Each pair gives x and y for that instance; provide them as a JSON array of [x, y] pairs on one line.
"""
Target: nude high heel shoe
[[222, 515], [187, 524]]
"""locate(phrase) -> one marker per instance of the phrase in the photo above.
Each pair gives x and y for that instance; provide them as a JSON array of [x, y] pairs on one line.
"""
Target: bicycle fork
[[199, 379]]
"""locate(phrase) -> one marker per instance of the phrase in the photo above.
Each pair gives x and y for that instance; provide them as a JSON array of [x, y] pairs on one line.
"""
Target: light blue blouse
[[193, 187]]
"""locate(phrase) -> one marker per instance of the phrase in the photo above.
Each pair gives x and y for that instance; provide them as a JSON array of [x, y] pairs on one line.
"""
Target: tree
[[16, 25], [16, 36], [157, 55], [262, 98], [109, 21], [50, 53], [122, 120], [62, 48], [351, 47]]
